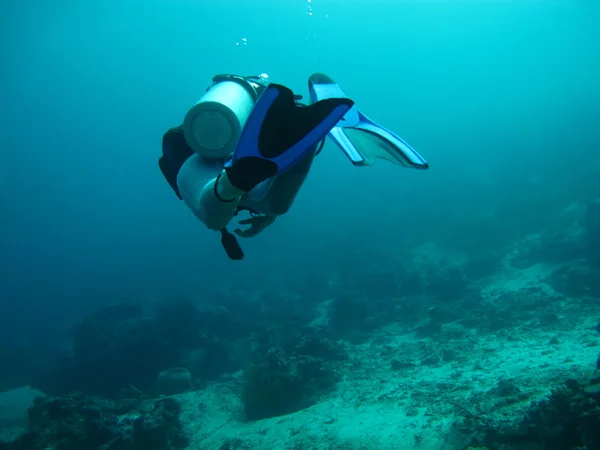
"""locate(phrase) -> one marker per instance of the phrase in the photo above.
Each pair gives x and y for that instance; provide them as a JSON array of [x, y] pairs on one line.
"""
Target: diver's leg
[[212, 200], [279, 133], [284, 190]]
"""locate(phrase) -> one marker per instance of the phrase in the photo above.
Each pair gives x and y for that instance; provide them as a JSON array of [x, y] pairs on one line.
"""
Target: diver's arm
[[215, 201]]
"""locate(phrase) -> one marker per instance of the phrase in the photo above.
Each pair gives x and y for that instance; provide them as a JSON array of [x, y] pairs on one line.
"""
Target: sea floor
[[462, 379], [434, 396]]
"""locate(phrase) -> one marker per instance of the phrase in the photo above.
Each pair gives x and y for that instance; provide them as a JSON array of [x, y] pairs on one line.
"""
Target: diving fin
[[280, 132], [361, 139]]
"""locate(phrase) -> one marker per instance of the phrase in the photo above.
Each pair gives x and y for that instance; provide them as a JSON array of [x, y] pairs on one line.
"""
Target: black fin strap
[[217, 191]]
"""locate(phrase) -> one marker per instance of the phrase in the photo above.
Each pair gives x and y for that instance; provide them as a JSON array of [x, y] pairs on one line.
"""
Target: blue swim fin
[[279, 132], [361, 139]]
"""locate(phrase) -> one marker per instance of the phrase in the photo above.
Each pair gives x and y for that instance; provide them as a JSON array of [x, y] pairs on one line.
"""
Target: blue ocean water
[[501, 97]]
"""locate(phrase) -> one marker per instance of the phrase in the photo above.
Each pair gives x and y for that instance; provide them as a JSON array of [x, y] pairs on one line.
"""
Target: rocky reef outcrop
[[77, 422]]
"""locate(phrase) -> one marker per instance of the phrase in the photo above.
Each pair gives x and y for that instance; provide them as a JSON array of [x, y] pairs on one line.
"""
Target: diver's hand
[[257, 225]]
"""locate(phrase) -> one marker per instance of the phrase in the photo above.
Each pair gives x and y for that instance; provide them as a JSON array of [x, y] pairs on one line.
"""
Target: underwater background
[[500, 97]]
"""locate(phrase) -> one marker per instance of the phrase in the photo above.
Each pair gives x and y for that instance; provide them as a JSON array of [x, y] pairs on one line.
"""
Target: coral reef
[[278, 384], [78, 422], [568, 418]]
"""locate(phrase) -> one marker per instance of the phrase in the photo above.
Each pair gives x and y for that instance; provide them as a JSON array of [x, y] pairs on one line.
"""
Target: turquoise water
[[501, 98]]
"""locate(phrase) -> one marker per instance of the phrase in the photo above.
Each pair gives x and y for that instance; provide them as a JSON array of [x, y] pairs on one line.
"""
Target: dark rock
[[278, 384], [35, 414], [318, 376], [270, 393], [160, 429], [78, 422], [58, 408], [277, 359], [568, 418], [505, 388], [68, 423]]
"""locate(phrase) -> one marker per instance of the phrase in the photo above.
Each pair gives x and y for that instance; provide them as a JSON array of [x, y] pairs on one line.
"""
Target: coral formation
[[425, 339], [78, 422], [278, 384], [568, 418]]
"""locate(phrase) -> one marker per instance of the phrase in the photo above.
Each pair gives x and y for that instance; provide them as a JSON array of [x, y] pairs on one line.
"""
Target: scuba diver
[[248, 145]]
